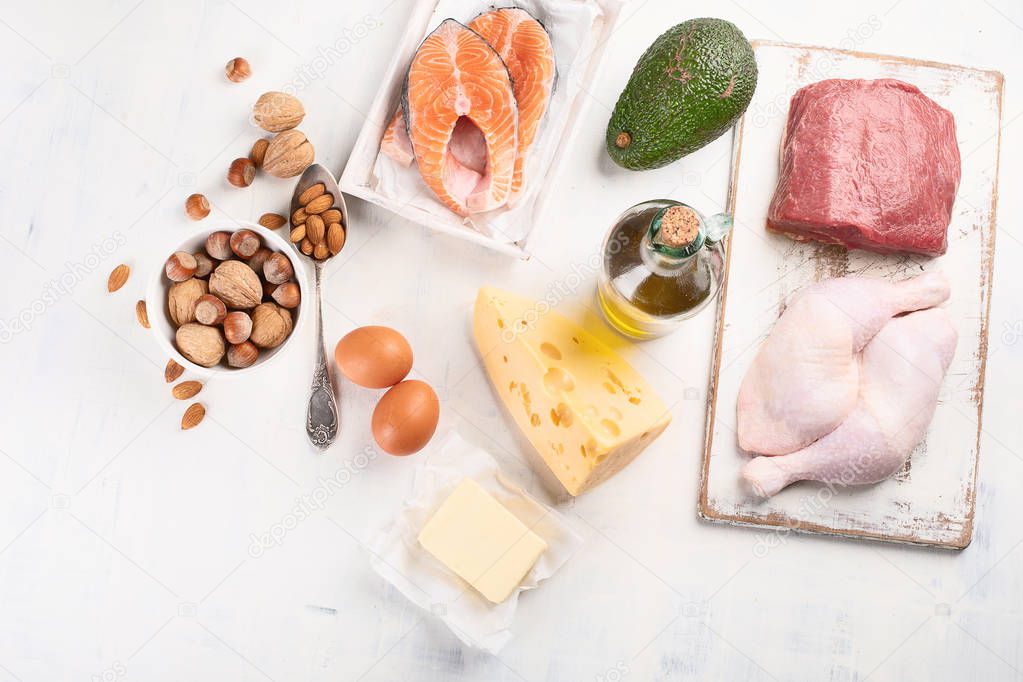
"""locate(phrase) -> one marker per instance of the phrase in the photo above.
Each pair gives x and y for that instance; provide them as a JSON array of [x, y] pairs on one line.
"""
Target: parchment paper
[[399, 558]]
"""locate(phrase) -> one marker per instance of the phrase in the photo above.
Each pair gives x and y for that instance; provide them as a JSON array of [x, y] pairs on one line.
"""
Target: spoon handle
[[321, 416]]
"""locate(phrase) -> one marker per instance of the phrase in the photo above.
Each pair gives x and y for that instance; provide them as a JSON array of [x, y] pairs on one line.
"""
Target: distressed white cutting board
[[931, 501]]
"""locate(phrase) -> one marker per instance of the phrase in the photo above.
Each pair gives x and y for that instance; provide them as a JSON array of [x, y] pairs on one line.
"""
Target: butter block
[[585, 410], [480, 540]]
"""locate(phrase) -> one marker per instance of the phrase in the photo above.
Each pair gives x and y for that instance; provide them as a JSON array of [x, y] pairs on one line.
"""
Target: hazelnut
[[181, 300], [257, 260], [210, 310], [335, 238], [277, 111], [321, 252], [197, 206], [258, 151], [315, 229], [204, 264], [287, 295], [320, 204], [245, 243], [236, 284], [237, 327], [331, 216], [202, 345], [238, 69], [268, 290], [277, 269], [271, 324], [180, 266], [218, 246], [272, 221], [289, 154], [242, 354], [298, 234], [299, 216], [242, 172]]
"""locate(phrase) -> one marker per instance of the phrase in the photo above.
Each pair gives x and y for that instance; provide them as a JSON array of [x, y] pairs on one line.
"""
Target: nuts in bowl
[[228, 298]]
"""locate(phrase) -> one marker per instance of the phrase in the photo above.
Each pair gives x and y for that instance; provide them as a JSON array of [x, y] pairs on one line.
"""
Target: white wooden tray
[[575, 78], [931, 501]]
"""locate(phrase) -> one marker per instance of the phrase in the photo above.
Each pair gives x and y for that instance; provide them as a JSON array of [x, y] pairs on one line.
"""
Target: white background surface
[[126, 546]]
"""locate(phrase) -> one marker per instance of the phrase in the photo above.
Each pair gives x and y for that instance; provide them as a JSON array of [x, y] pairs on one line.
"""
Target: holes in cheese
[[557, 380], [550, 350]]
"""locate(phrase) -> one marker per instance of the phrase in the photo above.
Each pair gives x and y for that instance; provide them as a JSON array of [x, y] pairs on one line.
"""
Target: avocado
[[687, 89]]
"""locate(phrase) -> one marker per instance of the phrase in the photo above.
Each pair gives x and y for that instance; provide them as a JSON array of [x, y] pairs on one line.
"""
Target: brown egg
[[374, 357], [406, 417]]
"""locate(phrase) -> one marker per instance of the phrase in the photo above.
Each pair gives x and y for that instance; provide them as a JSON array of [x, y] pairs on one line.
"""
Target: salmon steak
[[525, 47], [462, 120], [395, 142]]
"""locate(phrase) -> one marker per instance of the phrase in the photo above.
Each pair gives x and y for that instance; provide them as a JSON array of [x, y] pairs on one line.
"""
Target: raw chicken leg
[[902, 370], [805, 378]]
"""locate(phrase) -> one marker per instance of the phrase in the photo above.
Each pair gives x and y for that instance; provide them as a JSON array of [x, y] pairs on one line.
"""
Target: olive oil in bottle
[[662, 263]]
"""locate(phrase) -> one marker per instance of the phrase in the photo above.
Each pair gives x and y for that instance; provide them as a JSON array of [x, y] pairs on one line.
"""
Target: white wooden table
[[129, 550]]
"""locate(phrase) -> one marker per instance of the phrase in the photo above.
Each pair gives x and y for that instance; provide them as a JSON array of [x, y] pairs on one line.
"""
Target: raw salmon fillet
[[525, 46], [462, 119], [395, 142]]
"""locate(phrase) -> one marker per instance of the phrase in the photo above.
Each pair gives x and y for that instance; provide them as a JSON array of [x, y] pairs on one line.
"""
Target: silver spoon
[[321, 422]]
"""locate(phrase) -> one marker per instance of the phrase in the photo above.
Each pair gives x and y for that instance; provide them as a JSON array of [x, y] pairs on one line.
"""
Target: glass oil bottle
[[662, 263]]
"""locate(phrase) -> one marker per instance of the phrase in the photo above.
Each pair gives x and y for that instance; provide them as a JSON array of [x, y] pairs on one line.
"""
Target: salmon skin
[[525, 47], [462, 119]]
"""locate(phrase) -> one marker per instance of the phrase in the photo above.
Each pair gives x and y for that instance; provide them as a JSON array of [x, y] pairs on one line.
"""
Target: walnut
[[271, 324], [201, 344], [181, 300], [236, 284]]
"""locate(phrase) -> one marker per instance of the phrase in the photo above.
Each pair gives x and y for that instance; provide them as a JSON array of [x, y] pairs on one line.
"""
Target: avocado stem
[[623, 140]]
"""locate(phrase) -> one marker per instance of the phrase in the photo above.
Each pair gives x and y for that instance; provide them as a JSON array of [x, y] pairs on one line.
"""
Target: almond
[[315, 229], [321, 252], [320, 204], [141, 314], [298, 217], [172, 371], [186, 389], [311, 193], [306, 247], [272, 221], [335, 238], [118, 277], [298, 234], [331, 216], [193, 415]]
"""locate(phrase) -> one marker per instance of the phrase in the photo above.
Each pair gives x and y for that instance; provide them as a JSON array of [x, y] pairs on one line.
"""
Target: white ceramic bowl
[[156, 296]]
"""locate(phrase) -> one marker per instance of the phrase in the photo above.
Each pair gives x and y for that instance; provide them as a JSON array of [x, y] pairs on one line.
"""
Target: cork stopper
[[680, 225]]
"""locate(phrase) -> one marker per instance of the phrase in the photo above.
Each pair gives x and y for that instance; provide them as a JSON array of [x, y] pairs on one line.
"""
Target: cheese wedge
[[480, 540], [582, 407]]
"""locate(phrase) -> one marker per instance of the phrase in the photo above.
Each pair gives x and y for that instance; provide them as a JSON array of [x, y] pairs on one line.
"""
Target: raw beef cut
[[869, 164]]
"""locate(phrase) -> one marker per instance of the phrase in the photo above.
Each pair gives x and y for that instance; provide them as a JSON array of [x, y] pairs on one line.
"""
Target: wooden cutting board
[[931, 501]]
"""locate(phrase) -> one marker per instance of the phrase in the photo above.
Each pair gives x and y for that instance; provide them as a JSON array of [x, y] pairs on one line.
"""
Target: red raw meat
[[869, 164]]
